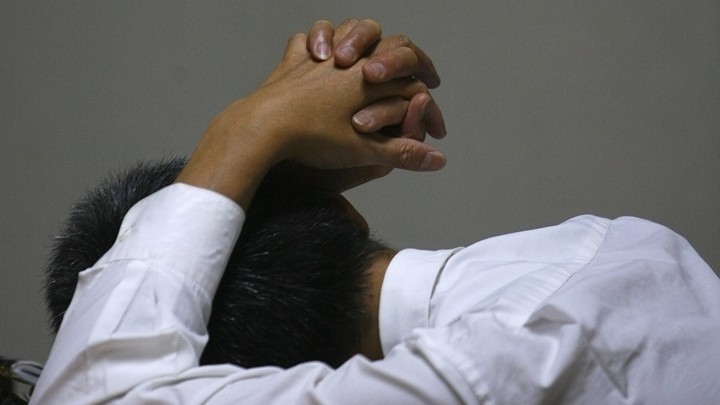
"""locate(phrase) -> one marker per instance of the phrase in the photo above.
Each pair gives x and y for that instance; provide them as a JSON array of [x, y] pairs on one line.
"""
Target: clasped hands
[[344, 104]]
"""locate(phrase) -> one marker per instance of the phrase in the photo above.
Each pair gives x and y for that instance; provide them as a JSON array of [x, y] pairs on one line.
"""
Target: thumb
[[410, 154]]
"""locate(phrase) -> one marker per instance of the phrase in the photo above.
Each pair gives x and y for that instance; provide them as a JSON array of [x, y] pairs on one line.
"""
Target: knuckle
[[402, 40], [374, 25], [418, 86], [405, 58], [406, 156], [299, 36], [350, 22]]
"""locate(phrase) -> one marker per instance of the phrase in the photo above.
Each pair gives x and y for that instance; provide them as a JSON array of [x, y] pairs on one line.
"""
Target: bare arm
[[302, 112]]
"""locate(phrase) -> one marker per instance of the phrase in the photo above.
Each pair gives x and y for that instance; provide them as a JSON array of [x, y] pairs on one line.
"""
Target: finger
[[320, 39], [434, 121], [416, 117], [425, 71], [398, 62], [390, 111], [356, 42], [423, 116], [404, 87], [296, 46], [342, 30], [413, 124], [407, 153]]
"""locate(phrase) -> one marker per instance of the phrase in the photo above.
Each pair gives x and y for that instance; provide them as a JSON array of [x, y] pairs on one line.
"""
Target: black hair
[[293, 289]]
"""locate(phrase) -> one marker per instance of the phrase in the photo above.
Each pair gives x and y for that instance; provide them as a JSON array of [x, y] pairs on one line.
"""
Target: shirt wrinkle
[[618, 383], [560, 316]]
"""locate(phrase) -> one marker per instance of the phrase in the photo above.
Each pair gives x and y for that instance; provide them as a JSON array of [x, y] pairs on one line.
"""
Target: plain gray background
[[553, 109]]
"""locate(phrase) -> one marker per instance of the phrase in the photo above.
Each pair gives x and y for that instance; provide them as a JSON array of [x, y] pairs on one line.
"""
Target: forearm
[[140, 313], [236, 151]]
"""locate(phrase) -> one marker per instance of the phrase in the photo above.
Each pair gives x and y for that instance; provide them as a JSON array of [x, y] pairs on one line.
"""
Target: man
[[588, 311], [295, 288]]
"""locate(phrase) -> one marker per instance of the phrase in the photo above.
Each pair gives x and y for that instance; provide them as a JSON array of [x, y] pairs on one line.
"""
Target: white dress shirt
[[589, 311]]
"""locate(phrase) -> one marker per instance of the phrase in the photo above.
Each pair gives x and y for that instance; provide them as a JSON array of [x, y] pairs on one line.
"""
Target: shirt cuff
[[406, 291], [182, 228]]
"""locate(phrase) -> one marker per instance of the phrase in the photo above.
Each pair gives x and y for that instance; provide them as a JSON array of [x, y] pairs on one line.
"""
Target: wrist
[[236, 151]]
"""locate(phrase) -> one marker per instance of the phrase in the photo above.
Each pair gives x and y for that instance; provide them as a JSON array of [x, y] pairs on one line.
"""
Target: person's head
[[294, 290]]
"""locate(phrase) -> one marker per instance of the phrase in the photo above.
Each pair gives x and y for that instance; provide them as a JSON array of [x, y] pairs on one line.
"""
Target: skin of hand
[[388, 58], [302, 112], [394, 116], [353, 39]]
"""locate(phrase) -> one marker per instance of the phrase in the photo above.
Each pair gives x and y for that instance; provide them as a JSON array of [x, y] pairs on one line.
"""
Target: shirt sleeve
[[589, 311], [140, 312], [137, 325]]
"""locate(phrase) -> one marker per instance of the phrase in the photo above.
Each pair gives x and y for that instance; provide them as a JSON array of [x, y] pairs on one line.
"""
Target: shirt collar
[[406, 291]]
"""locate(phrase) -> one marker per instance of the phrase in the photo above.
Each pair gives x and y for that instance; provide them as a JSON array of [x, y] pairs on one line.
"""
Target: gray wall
[[553, 109]]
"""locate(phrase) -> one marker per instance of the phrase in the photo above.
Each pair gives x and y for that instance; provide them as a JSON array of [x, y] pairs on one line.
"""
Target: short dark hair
[[293, 289]]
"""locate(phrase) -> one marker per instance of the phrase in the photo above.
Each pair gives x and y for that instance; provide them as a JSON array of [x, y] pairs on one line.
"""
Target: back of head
[[294, 286]]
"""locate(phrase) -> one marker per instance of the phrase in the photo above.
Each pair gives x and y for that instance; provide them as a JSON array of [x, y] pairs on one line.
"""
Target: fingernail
[[322, 50], [377, 69], [432, 161], [363, 118], [347, 52]]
